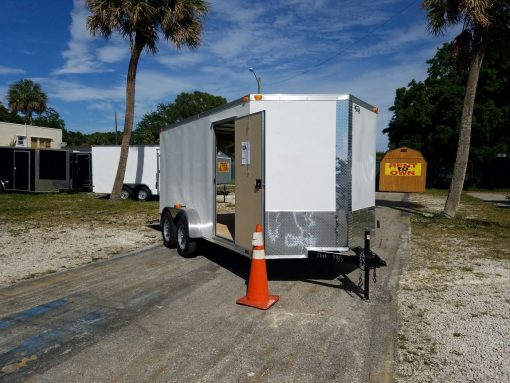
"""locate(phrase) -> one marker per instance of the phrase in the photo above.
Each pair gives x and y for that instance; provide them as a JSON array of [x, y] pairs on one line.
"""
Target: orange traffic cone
[[258, 291]]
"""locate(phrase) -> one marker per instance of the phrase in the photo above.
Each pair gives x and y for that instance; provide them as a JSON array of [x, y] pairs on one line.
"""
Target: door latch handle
[[258, 184]]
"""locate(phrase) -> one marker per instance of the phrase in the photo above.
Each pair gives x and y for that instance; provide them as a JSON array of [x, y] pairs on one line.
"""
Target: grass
[[64, 209], [480, 229]]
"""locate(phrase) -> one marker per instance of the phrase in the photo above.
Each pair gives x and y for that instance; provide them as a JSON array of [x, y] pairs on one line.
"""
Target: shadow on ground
[[321, 272], [404, 206]]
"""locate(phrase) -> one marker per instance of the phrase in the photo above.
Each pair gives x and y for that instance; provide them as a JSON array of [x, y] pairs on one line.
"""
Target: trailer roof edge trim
[[272, 97]]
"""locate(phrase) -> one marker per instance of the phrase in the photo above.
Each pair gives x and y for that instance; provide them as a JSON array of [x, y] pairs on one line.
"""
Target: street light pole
[[256, 78]]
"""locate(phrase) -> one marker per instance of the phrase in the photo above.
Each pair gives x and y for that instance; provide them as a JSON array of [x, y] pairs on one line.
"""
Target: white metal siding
[[300, 154], [363, 157], [141, 167], [188, 165]]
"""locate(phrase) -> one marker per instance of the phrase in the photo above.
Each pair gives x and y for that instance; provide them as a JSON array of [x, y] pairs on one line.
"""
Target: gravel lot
[[454, 310], [30, 249]]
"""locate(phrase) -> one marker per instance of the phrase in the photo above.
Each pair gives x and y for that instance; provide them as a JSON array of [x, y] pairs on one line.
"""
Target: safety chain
[[361, 267]]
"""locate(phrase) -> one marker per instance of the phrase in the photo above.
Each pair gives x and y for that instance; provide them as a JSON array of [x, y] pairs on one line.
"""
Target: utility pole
[[116, 132]]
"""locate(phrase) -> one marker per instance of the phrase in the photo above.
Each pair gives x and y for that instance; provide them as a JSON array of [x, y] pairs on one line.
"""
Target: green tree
[[8, 116], [184, 106], [141, 22], [26, 97], [50, 119], [426, 117], [73, 138], [485, 28]]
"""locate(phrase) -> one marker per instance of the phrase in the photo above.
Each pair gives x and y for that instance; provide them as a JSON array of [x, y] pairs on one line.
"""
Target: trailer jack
[[364, 258]]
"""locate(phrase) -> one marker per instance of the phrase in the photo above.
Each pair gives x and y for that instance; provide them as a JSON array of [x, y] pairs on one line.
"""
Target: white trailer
[[304, 169], [142, 171]]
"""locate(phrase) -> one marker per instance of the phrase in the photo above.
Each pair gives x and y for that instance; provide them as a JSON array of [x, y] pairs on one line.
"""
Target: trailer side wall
[[188, 163], [141, 167]]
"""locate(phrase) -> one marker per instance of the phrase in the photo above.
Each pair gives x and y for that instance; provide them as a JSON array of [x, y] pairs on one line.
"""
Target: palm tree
[[141, 21], [26, 97], [485, 30]]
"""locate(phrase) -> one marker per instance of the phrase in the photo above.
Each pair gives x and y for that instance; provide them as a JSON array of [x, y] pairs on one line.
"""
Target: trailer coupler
[[364, 258]]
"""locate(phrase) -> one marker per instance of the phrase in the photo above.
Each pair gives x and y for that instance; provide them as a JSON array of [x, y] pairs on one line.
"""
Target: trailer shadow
[[325, 273], [404, 206]]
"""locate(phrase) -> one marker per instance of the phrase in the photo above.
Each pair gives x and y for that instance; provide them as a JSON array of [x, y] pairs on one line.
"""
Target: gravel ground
[[454, 312], [30, 250]]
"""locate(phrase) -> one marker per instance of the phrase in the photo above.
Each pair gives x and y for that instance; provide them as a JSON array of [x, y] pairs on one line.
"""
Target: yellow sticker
[[402, 169], [223, 166]]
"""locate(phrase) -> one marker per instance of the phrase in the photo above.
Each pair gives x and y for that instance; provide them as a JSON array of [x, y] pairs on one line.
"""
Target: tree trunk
[[136, 50], [461, 161]]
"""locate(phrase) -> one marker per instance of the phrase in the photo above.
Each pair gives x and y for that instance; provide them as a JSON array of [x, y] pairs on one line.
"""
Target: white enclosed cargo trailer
[[142, 171], [304, 169]]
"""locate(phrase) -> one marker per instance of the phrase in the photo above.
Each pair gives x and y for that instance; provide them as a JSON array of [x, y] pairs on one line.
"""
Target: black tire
[[168, 231], [143, 193], [126, 193], [186, 246]]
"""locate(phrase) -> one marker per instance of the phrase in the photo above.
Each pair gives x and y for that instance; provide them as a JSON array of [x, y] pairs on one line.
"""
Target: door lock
[[258, 184]]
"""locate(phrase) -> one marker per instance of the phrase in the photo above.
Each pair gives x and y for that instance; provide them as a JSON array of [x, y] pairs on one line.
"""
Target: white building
[[29, 136]]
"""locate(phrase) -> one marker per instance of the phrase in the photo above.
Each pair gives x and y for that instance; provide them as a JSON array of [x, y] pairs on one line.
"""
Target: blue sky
[[366, 48]]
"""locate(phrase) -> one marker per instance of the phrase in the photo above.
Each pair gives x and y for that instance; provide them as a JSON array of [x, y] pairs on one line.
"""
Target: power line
[[348, 46]]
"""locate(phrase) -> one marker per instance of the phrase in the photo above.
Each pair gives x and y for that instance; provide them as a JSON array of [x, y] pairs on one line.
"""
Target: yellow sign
[[402, 169], [223, 166]]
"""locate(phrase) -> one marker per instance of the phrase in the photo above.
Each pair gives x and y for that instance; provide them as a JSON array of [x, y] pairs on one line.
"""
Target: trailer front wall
[[299, 175], [363, 169]]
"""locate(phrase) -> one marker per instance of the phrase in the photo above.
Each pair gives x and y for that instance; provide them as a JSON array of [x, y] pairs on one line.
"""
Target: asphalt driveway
[[153, 316]]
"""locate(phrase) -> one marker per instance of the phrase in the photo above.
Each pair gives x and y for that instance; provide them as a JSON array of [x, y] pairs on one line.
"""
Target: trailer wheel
[[169, 231], [186, 246], [143, 193], [125, 193]]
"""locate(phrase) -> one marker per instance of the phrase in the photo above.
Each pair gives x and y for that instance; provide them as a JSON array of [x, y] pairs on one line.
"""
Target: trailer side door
[[249, 174], [21, 170]]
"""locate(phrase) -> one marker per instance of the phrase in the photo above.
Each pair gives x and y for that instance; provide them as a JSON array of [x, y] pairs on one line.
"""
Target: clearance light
[[258, 97], [376, 109], [178, 206], [246, 98]]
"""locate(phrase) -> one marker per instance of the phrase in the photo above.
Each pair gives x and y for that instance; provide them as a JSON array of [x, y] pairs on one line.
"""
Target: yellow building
[[29, 136]]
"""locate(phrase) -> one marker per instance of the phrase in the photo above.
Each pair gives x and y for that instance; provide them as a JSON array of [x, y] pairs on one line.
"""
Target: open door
[[249, 175]]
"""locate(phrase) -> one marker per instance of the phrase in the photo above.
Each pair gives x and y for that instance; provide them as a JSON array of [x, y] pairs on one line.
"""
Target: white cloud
[[114, 53], [78, 56], [181, 59], [72, 91], [7, 70]]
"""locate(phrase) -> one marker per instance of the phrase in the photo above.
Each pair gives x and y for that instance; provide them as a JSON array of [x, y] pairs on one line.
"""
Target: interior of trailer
[[225, 192]]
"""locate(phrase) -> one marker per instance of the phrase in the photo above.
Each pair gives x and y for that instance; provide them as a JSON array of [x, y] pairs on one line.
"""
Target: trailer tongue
[[364, 258]]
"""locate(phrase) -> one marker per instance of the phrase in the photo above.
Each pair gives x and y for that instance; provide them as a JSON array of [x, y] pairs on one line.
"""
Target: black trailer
[[35, 170]]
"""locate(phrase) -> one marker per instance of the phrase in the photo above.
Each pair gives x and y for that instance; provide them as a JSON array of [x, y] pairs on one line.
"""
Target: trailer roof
[[272, 97]]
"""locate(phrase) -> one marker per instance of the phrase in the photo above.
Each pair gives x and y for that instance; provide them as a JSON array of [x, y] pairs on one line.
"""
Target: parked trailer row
[[44, 170], [304, 169], [54, 170], [141, 180]]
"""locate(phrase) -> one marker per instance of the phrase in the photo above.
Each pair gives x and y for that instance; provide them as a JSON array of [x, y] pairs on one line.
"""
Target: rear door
[[249, 173], [21, 170]]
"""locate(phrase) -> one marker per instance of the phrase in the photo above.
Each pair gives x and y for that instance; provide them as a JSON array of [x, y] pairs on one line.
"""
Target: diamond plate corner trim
[[360, 220], [343, 171], [291, 233]]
